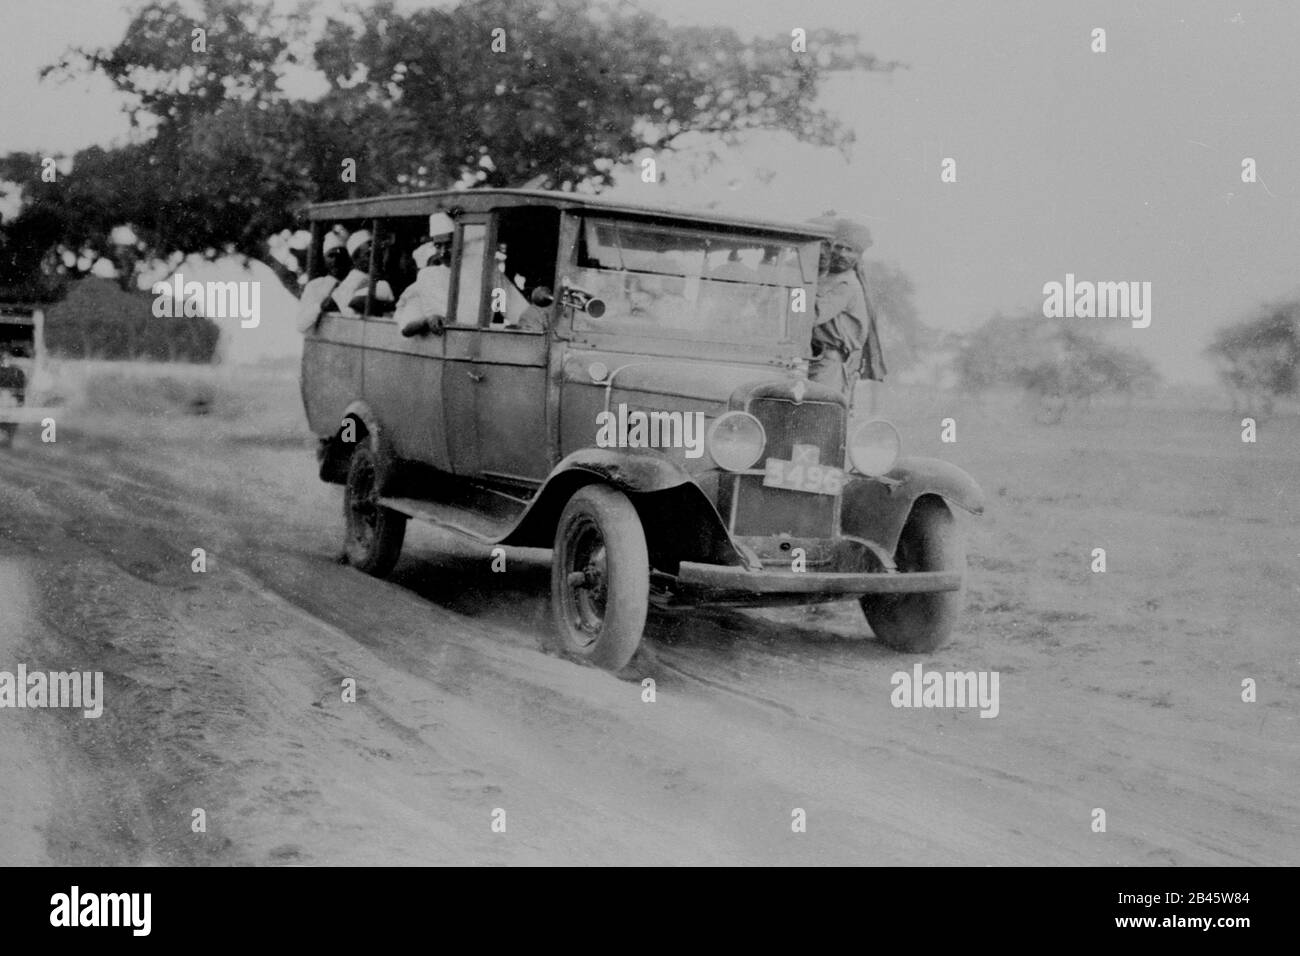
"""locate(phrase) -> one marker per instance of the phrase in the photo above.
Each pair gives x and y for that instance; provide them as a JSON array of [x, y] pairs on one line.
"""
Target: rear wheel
[[374, 534], [919, 623], [600, 578]]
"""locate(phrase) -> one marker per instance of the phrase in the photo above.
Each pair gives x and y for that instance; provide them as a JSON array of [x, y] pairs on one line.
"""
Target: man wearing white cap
[[350, 296], [423, 305], [316, 294]]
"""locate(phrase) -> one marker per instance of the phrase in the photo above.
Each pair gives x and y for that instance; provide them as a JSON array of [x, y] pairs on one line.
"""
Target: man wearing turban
[[423, 305], [845, 340], [350, 296], [315, 296]]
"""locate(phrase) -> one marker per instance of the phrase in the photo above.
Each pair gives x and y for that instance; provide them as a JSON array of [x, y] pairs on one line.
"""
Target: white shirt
[[355, 284], [424, 298], [313, 297]]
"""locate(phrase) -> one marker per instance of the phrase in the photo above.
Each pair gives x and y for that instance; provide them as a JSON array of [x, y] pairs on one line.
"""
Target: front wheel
[[920, 623], [600, 578], [374, 534]]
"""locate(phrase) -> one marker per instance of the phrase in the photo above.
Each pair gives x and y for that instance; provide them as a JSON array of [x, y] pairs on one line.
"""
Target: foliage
[[418, 100], [1257, 357], [1054, 363], [98, 320], [904, 337], [579, 87]]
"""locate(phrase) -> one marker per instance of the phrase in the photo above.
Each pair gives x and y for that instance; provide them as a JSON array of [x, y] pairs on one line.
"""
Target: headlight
[[736, 440], [874, 447]]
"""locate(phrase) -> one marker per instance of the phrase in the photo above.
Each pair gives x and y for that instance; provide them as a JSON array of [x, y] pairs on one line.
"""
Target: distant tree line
[[1057, 365]]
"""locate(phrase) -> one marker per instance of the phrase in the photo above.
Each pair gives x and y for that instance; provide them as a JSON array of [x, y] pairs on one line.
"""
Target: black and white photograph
[[649, 433]]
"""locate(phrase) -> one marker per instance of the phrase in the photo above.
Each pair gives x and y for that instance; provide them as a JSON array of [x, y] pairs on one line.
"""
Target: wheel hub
[[587, 580]]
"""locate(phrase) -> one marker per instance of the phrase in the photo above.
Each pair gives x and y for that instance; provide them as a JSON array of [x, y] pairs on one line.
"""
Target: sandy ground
[[1119, 691]]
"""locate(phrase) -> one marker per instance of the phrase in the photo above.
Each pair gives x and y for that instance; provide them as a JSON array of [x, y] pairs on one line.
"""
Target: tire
[[600, 578], [920, 623], [373, 535]]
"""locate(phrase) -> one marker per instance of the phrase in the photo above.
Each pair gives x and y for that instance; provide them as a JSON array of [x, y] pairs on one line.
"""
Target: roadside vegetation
[[99, 320]]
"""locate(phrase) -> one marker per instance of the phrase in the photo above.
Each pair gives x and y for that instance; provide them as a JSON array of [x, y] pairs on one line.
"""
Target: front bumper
[[769, 581]]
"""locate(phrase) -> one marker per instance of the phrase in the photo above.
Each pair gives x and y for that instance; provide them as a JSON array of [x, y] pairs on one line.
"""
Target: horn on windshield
[[581, 299]]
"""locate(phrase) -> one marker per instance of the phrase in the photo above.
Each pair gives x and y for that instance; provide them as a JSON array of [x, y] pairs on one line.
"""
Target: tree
[[1056, 365], [417, 100], [229, 154], [1256, 357], [573, 88], [903, 335], [996, 353]]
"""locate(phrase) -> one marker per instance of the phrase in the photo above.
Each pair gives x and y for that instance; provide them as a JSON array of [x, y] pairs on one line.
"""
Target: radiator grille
[[759, 510]]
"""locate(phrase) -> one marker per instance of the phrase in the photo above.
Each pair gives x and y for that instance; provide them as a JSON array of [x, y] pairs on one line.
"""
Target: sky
[[1115, 166]]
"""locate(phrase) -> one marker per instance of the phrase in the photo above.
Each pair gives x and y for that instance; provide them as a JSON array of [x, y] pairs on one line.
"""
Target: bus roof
[[483, 200]]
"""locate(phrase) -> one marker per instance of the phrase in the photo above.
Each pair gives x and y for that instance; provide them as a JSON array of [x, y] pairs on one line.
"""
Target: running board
[[485, 529]]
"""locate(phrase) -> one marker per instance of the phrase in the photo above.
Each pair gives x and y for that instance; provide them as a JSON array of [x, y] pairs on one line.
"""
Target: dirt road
[[1119, 691]]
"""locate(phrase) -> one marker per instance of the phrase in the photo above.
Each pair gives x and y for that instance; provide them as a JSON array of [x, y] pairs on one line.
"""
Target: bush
[[99, 320], [1055, 364], [1257, 358]]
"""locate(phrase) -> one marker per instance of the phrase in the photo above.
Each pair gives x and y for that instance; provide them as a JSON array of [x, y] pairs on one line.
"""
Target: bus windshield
[[661, 280]]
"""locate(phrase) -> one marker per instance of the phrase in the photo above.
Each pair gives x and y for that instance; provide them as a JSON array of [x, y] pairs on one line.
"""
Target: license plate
[[796, 475]]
